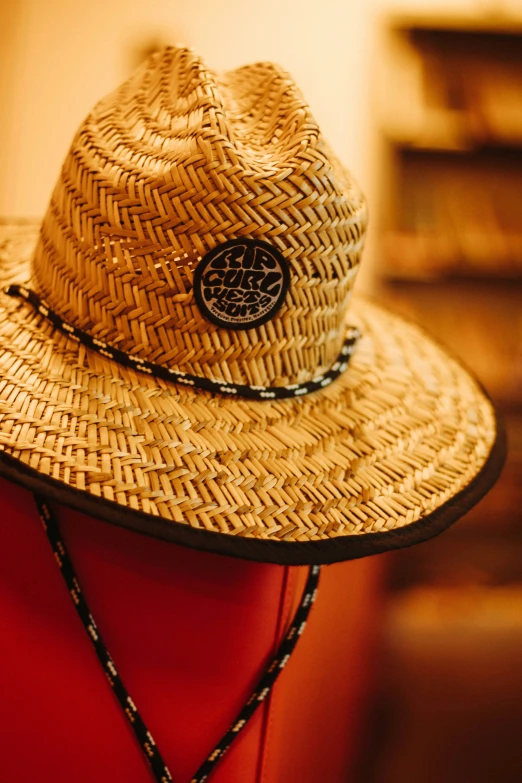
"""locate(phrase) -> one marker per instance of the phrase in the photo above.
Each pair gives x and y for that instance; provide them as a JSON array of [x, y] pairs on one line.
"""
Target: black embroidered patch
[[241, 284]]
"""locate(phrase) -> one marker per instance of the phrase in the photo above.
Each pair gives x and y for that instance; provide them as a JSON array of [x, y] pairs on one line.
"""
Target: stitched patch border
[[242, 283]]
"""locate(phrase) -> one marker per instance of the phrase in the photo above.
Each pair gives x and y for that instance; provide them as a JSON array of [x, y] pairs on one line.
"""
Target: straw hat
[[180, 354]]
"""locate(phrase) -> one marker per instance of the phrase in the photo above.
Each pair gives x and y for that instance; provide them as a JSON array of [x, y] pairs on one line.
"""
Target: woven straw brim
[[389, 454]]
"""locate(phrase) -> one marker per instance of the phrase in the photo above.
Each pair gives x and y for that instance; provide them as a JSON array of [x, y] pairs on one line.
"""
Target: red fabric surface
[[318, 710], [190, 633]]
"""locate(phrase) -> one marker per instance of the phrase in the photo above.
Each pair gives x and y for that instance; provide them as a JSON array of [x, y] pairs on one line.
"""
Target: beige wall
[[57, 57]]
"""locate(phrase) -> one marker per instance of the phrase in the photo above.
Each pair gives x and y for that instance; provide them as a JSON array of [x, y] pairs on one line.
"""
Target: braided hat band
[[167, 374]]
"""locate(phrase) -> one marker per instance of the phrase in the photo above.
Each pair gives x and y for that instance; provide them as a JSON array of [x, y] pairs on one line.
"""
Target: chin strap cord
[[150, 750]]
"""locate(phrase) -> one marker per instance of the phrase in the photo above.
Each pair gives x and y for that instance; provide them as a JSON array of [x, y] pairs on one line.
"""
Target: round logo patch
[[241, 284]]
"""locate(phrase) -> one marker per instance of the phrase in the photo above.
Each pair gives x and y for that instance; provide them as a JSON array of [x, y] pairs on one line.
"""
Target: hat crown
[[173, 164]]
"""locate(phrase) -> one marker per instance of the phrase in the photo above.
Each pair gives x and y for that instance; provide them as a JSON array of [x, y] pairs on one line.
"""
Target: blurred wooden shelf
[[459, 275], [453, 83], [451, 132], [449, 94], [464, 145], [450, 246], [461, 253], [499, 24]]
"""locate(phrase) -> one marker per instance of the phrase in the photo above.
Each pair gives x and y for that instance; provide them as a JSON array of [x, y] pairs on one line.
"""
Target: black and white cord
[[194, 381], [150, 750]]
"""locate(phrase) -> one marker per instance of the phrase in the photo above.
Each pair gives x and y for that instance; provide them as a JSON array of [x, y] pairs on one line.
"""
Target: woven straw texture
[[402, 431], [175, 162]]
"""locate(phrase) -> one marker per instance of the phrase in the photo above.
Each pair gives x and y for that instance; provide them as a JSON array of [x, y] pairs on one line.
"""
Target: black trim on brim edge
[[333, 550]]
